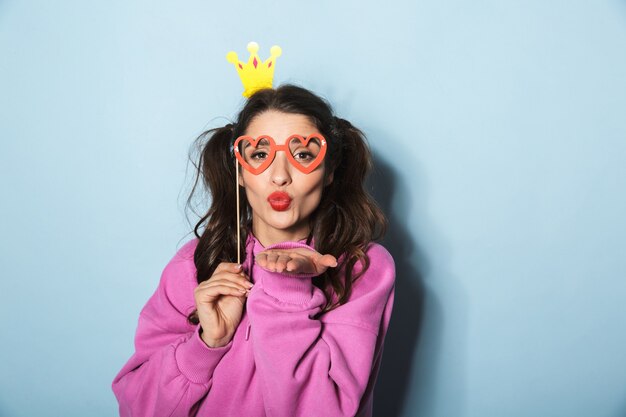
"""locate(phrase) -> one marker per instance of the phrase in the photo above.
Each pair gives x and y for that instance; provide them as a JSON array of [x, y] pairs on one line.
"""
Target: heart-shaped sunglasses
[[305, 154]]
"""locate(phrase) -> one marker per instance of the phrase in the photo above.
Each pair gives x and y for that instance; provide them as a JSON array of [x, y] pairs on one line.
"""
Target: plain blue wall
[[499, 130]]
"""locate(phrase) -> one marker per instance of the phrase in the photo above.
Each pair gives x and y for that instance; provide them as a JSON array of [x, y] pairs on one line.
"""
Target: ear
[[240, 180]]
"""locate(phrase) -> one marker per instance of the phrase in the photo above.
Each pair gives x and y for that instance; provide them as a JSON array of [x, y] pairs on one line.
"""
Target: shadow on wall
[[409, 381], [391, 391]]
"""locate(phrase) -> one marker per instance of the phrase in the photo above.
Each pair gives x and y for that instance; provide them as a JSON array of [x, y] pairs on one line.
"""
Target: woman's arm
[[319, 367], [171, 370]]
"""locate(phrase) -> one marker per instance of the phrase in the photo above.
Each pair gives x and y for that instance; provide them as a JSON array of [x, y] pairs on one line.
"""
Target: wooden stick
[[238, 219]]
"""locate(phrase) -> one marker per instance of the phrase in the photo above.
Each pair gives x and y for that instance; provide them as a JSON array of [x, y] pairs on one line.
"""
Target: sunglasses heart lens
[[256, 155], [304, 153]]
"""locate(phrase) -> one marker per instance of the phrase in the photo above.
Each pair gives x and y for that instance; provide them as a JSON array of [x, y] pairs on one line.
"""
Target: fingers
[[209, 293], [230, 271], [300, 265], [232, 281], [235, 281], [297, 261], [328, 261], [274, 261], [228, 267], [228, 279]]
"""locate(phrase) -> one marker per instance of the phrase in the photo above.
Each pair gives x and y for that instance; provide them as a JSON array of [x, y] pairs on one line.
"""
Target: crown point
[[232, 57], [276, 51], [253, 47]]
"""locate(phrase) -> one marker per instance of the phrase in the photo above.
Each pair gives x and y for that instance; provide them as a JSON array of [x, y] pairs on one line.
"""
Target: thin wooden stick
[[238, 219]]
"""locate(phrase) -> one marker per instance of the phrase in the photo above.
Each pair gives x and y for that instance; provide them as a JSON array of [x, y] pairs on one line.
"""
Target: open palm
[[295, 261]]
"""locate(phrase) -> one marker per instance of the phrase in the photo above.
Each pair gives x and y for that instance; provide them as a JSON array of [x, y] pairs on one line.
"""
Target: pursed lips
[[279, 200]]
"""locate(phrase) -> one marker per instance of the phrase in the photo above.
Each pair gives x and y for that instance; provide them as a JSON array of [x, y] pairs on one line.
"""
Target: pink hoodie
[[281, 361]]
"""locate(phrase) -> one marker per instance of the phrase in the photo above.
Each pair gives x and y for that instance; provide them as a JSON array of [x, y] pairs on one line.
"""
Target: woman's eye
[[258, 155], [304, 156]]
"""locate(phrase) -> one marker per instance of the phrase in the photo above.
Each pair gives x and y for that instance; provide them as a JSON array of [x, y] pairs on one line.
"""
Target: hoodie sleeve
[[171, 369], [325, 366]]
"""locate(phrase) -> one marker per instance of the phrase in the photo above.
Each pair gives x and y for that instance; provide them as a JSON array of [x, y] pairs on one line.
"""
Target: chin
[[285, 221], [283, 224]]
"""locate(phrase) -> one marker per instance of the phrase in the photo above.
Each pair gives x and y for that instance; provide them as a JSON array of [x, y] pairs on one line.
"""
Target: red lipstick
[[280, 201]]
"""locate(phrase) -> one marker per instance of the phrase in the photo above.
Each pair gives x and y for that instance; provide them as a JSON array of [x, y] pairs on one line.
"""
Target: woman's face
[[282, 197]]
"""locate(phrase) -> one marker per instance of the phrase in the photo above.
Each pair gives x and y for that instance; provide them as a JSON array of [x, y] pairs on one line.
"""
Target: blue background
[[499, 131]]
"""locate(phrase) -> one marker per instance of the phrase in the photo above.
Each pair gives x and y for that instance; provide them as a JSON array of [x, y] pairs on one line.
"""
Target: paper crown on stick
[[255, 75]]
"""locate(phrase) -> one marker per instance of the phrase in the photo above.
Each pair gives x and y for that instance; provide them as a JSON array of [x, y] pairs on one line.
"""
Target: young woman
[[297, 329]]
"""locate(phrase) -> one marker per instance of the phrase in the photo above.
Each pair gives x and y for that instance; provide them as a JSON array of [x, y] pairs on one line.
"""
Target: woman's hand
[[220, 301], [295, 261]]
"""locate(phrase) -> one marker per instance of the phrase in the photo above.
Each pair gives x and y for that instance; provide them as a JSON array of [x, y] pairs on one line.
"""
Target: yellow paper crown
[[255, 75]]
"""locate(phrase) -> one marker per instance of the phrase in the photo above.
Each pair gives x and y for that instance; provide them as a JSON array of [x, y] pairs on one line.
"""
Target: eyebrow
[[262, 142], [314, 140]]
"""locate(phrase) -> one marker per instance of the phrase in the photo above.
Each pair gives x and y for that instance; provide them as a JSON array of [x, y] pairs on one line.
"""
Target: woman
[[298, 328]]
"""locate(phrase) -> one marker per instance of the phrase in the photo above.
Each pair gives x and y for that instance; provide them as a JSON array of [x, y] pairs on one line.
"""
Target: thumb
[[328, 261]]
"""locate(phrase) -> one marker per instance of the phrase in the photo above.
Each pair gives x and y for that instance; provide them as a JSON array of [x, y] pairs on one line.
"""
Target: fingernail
[[238, 266], [241, 290]]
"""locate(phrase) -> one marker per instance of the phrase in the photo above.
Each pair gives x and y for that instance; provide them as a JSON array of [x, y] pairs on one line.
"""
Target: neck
[[268, 237]]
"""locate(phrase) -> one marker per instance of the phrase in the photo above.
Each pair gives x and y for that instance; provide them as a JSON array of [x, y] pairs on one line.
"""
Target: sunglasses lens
[[304, 154], [257, 155]]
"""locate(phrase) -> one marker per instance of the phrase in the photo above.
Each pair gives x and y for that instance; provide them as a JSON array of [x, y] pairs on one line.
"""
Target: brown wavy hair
[[346, 220]]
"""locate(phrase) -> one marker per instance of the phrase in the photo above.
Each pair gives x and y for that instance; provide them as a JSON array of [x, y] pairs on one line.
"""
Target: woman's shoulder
[[371, 294], [378, 253], [381, 271], [380, 260], [182, 263], [187, 250]]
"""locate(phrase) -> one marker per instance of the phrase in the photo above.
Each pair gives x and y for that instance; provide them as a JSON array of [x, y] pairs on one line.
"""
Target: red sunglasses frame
[[285, 148]]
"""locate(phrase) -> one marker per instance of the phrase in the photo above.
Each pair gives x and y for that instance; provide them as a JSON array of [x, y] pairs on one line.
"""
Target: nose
[[280, 170]]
